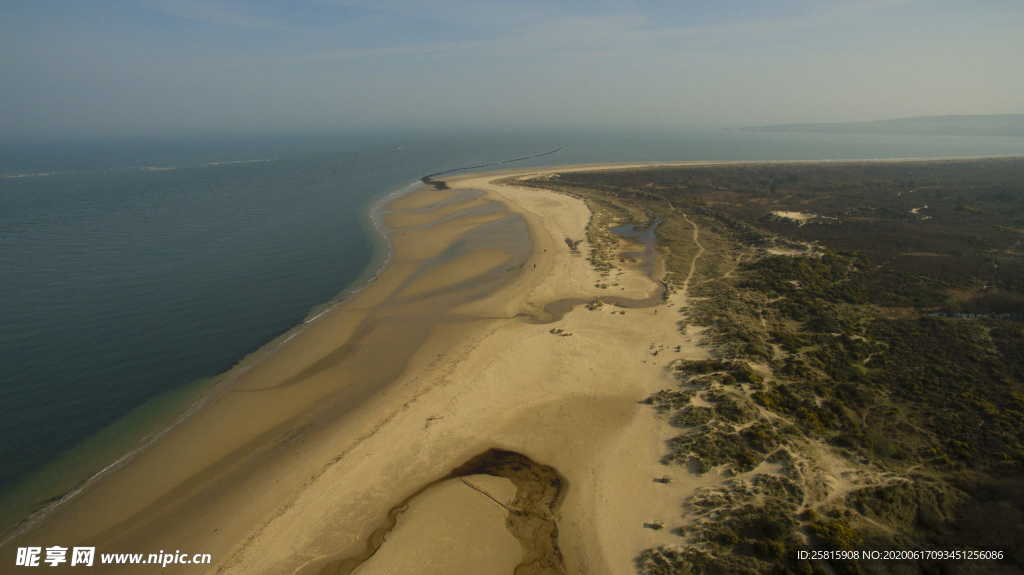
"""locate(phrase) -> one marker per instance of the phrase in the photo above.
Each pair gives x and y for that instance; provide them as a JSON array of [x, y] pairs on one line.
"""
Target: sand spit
[[339, 450]]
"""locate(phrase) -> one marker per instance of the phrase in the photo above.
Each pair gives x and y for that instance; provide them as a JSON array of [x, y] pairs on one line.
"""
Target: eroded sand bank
[[309, 452]]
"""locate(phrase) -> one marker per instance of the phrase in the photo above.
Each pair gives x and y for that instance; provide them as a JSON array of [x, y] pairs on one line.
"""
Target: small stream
[[648, 256]]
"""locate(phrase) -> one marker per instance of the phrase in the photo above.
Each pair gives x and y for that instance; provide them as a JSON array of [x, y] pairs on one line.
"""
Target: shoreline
[[250, 362], [378, 261], [514, 298], [499, 311], [611, 166], [42, 508]]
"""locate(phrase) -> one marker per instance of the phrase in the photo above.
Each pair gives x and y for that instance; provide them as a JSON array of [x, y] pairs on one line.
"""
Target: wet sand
[[317, 453], [431, 534]]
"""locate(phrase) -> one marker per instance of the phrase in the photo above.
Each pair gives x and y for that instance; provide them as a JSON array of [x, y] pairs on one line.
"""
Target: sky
[[125, 69]]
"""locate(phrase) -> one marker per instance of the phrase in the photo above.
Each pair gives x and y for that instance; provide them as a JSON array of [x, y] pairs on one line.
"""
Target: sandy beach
[[340, 288], [380, 435]]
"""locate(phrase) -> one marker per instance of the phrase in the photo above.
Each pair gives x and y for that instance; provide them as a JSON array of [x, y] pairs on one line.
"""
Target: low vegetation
[[866, 389]]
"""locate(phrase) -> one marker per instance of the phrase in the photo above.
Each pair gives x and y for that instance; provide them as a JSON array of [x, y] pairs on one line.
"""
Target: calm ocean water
[[122, 287]]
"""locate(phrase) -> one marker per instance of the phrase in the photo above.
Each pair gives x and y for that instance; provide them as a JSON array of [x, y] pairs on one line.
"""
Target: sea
[[132, 272]]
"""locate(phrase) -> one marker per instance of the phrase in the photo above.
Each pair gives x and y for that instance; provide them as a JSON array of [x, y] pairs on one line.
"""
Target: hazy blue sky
[[126, 68]]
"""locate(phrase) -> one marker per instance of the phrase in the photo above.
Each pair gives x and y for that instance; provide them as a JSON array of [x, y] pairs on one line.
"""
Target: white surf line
[[315, 317], [233, 162], [26, 175], [380, 229]]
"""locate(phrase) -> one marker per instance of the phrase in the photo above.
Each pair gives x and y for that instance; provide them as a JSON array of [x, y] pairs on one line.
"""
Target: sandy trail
[[700, 252]]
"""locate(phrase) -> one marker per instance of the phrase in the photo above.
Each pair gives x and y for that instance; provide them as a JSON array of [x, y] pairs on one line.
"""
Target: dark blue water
[[119, 284]]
